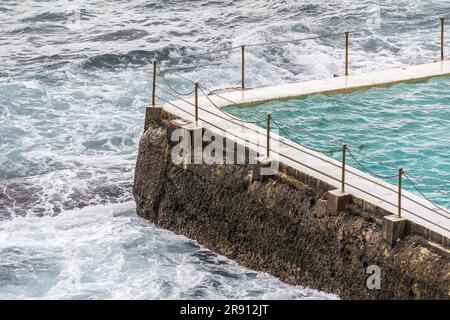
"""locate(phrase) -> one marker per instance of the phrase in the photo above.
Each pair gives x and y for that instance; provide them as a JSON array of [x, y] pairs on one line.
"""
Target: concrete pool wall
[[286, 224], [294, 224]]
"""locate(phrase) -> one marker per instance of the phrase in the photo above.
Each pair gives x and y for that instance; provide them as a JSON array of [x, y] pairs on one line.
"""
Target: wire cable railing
[[173, 89]]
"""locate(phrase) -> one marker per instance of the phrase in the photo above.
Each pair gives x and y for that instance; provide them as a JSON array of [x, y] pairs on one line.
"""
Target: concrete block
[[321, 208], [337, 201], [152, 113], [261, 170], [393, 228], [436, 237], [446, 242]]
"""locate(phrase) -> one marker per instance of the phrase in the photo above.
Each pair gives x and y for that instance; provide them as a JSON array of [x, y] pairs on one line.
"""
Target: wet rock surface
[[273, 226]]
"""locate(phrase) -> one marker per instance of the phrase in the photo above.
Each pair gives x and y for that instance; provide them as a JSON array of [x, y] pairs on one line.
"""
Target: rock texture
[[280, 226]]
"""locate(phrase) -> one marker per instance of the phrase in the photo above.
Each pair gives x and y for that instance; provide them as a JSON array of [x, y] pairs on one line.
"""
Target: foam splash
[[107, 252]]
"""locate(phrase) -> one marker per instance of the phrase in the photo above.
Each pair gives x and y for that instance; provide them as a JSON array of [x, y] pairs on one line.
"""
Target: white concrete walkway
[[340, 84], [358, 183]]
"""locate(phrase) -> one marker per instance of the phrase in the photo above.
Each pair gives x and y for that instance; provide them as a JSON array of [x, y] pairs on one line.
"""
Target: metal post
[[243, 67], [268, 136], [196, 103], [346, 53], [344, 149], [154, 82], [400, 173], [442, 38]]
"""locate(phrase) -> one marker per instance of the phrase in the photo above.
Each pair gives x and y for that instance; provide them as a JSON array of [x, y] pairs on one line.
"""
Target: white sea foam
[[107, 252]]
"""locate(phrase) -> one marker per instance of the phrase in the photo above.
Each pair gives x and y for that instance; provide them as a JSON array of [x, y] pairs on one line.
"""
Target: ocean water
[[75, 78], [107, 252], [403, 126]]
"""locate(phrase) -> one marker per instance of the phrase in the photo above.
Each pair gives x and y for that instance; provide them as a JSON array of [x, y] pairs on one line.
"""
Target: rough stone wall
[[275, 226]]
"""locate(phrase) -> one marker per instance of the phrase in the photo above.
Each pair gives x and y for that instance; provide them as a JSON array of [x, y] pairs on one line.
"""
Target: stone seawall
[[279, 225]]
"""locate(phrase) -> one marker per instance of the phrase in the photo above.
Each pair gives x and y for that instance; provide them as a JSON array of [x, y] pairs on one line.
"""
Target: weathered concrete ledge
[[284, 225], [342, 84]]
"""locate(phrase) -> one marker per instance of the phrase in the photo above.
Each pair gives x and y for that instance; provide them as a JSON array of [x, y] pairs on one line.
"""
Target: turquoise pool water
[[405, 125]]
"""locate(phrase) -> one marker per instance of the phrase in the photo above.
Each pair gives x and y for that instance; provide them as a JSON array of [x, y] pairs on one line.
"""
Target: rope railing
[[424, 196], [206, 121], [444, 194], [367, 170], [162, 75], [227, 114], [379, 162], [325, 151], [284, 127], [358, 162], [228, 117], [384, 177], [304, 132], [407, 174], [364, 168]]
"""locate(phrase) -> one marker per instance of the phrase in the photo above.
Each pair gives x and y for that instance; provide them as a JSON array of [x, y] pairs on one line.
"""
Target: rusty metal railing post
[[344, 149], [400, 173], [442, 37], [346, 52], [243, 67], [268, 136], [196, 103], [154, 83]]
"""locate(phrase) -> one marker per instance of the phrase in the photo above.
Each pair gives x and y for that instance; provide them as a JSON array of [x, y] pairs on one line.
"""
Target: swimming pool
[[405, 125]]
